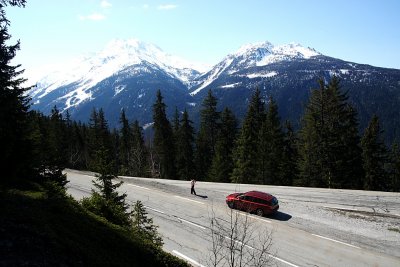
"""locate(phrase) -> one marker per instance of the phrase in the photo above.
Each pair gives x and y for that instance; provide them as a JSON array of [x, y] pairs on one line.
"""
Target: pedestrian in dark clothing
[[192, 191]]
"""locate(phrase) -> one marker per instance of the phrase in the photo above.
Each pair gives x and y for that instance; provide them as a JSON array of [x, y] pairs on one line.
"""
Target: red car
[[254, 202]]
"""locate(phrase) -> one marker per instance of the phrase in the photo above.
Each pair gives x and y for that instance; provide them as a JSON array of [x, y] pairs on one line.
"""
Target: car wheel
[[231, 205], [260, 212]]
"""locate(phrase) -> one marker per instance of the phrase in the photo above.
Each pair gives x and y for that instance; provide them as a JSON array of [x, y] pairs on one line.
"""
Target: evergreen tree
[[184, 149], [69, 139], [54, 148], [394, 168], [222, 164], [245, 153], [207, 136], [143, 226], [99, 139], [15, 136], [270, 148], [78, 154], [106, 201], [290, 156], [329, 150], [176, 125], [138, 165], [374, 157], [125, 145], [163, 140]]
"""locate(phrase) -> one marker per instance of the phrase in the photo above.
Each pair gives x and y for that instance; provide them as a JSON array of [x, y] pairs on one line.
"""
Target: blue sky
[[362, 31]]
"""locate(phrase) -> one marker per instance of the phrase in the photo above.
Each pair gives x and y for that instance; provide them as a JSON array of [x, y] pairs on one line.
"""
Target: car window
[[248, 198]]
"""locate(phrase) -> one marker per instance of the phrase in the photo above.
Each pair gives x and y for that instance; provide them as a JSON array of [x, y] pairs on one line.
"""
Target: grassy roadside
[[38, 230]]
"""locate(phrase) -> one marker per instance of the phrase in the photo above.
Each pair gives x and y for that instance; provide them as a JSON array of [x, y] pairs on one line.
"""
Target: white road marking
[[254, 217], [274, 257], [187, 258], [159, 211], [194, 224], [279, 259], [323, 237], [142, 187], [190, 199]]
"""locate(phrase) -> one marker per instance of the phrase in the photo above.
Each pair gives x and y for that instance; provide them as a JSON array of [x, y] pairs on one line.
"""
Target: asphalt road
[[314, 227]]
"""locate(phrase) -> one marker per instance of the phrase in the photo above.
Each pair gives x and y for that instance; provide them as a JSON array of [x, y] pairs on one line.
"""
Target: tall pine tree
[[374, 156], [184, 149], [163, 140], [138, 165], [290, 156], [329, 150], [207, 136], [245, 153], [125, 145], [15, 137], [99, 139], [270, 148], [222, 164]]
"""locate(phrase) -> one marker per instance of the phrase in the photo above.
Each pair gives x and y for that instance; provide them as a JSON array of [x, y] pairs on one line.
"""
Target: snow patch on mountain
[[118, 89], [262, 75], [232, 85], [215, 73]]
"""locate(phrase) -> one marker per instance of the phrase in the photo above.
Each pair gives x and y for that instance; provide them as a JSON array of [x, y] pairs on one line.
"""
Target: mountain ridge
[[286, 72]]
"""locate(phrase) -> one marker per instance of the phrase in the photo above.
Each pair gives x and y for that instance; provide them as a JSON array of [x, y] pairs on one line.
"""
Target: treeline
[[327, 151]]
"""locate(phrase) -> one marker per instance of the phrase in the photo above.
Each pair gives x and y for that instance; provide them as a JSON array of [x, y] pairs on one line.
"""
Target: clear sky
[[361, 31]]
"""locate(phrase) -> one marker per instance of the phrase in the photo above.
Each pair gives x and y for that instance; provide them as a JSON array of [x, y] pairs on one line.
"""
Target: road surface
[[314, 227]]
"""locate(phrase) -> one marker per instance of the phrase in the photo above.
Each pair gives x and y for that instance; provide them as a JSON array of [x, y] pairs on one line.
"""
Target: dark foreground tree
[[143, 225], [105, 200], [15, 136], [53, 148]]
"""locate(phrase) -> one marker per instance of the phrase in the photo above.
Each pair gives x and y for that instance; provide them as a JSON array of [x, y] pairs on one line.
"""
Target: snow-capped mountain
[[82, 74], [253, 55], [127, 74]]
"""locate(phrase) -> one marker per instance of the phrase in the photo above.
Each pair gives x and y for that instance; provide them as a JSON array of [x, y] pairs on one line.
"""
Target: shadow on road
[[281, 216], [201, 196]]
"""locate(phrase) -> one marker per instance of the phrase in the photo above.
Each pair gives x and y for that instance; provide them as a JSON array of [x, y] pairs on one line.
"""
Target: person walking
[[192, 191]]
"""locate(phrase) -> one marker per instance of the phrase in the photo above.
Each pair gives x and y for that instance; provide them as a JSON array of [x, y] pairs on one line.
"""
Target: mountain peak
[[251, 47], [264, 53], [266, 48], [129, 48], [295, 50]]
